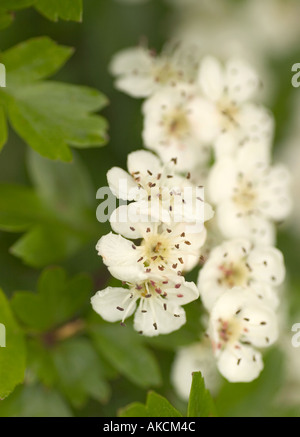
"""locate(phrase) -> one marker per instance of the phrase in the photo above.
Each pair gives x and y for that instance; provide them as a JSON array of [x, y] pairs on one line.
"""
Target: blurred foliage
[[77, 364]]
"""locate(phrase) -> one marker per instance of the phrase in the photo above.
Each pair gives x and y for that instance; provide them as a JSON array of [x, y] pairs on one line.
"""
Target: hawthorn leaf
[[58, 299], [156, 406], [12, 350], [49, 116], [64, 9]]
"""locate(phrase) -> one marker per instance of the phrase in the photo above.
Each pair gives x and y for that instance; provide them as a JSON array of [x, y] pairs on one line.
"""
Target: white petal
[[128, 60], [142, 161], [255, 228], [243, 365], [226, 144], [267, 294], [254, 156], [198, 240], [275, 196], [241, 80], [185, 292], [261, 323], [208, 281], [137, 87], [211, 78], [188, 153], [156, 320], [267, 265], [115, 250], [194, 358], [134, 67], [256, 123], [246, 303], [121, 256], [132, 220], [105, 303], [122, 184], [204, 120], [222, 180]]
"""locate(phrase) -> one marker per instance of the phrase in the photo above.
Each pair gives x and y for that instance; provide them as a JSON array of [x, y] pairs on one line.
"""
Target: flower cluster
[[159, 236], [202, 120]]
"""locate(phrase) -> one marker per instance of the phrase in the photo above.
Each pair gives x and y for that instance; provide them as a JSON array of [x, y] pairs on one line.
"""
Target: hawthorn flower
[[193, 358], [236, 263], [239, 324], [163, 251], [140, 72], [180, 122], [249, 194], [158, 195], [230, 89], [156, 302]]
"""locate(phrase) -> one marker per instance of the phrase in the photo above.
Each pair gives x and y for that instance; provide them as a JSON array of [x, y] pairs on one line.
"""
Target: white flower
[[240, 323], [230, 88], [180, 122], [193, 358], [250, 194], [156, 302], [163, 251], [238, 263], [140, 73], [159, 195]]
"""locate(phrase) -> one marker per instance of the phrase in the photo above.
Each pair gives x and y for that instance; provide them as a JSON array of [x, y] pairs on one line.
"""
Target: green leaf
[[60, 224], [72, 366], [200, 403], [156, 406], [10, 5], [65, 9], [47, 244], [79, 372], [136, 409], [54, 182], [253, 399], [49, 116], [34, 401], [6, 19], [39, 362], [12, 357], [124, 349], [20, 208], [58, 299], [33, 60]]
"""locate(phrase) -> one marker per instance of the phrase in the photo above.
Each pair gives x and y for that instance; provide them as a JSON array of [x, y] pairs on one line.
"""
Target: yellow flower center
[[233, 274], [177, 124]]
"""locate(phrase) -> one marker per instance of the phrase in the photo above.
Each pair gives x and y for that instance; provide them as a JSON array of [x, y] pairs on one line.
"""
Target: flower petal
[[106, 303], [222, 180], [132, 220], [142, 161], [182, 292], [242, 365], [267, 265], [241, 80], [275, 197], [194, 358], [253, 227], [120, 256], [211, 78], [152, 319], [121, 184]]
